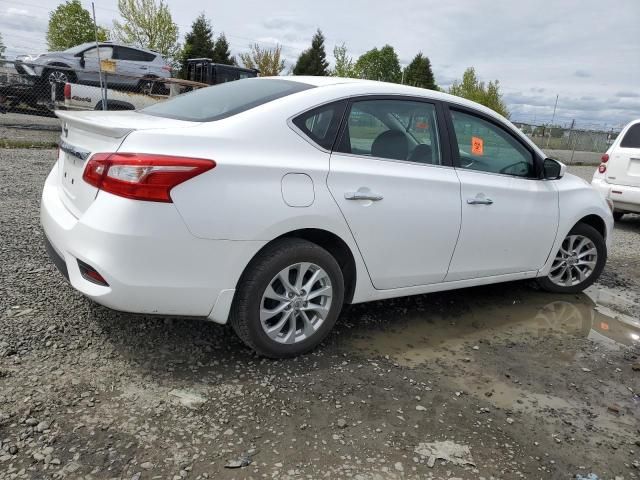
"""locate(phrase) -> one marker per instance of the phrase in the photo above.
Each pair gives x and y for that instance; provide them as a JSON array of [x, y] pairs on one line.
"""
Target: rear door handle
[[374, 197], [479, 201]]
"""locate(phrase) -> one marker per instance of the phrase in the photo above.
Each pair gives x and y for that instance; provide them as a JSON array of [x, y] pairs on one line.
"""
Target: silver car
[[130, 66]]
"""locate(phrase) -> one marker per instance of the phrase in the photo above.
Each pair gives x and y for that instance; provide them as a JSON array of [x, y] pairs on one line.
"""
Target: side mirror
[[553, 169], [81, 61]]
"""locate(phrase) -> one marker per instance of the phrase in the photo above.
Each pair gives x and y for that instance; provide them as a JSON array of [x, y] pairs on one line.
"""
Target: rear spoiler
[[89, 123]]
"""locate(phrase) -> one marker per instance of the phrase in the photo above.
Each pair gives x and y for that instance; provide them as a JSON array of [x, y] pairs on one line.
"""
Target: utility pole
[[553, 117], [103, 87]]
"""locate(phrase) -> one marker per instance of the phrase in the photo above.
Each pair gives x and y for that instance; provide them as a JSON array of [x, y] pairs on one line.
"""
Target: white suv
[[618, 176]]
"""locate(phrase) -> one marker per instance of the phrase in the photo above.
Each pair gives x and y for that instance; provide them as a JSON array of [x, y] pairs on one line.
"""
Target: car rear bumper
[[149, 259], [625, 198]]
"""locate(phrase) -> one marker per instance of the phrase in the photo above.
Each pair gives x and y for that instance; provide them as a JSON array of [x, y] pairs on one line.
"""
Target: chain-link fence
[[30, 93], [573, 136]]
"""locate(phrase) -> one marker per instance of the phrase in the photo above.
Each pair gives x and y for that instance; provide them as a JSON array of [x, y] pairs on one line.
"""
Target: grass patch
[[9, 143]]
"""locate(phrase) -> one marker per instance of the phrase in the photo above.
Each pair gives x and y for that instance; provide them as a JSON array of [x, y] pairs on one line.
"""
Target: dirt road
[[493, 382]]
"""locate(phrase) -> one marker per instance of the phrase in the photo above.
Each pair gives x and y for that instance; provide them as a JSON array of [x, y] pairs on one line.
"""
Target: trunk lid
[[86, 133], [623, 167]]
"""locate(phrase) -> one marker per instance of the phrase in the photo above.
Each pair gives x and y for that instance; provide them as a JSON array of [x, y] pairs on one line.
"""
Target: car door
[[132, 65], [90, 72], [509, 215], [397, 190]]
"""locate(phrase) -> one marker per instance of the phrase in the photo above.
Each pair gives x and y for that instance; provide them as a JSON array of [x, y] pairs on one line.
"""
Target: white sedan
[[270, 202]]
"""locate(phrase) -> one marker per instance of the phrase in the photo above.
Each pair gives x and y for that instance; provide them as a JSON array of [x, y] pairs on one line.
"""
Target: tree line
[[149, 24]]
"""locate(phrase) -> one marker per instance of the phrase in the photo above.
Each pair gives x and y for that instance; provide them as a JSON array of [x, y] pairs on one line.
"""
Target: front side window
[[105, 53], [632, 137], [224, 100], [486, 147], [392, 129], [321, 124]]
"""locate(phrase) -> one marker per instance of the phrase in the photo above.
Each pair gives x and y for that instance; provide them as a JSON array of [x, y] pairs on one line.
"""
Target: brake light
[[605, 158], [166, 67], [67, 91], [602, 168], [142, 176]]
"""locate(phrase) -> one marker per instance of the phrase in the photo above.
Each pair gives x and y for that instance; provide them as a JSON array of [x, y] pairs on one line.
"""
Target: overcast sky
[[585, 51]]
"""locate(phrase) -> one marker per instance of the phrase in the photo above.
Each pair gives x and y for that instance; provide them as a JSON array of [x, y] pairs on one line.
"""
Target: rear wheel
[[578, 263], [288, 299]]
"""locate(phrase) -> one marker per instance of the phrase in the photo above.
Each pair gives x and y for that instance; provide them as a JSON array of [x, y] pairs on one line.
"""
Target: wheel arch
[[595, 221], [331, 242]]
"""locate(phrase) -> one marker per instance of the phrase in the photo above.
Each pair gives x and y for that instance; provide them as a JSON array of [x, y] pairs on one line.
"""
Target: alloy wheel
[[296, 303], [57, 76], [574, 262]]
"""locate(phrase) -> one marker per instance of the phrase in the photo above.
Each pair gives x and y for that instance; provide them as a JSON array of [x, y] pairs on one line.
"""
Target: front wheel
[[288, 299], [55, 76], [578, 263]]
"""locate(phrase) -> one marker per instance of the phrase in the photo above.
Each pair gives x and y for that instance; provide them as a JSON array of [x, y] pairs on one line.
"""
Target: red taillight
[[166, 67], [67, 91], [142, 176], [602, 168], [91, 274], [605, 158]]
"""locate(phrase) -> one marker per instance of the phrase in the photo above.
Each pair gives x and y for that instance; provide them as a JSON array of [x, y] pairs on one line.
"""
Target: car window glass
[[321, 124], [632, 137], [224, 100], [486, 147], [394, 129], [132, 54], [105, 53]]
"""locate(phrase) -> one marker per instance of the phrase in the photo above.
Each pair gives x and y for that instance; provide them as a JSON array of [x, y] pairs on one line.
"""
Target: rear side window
[[321, 124], [632, 137], [123, 53], [225, 100]]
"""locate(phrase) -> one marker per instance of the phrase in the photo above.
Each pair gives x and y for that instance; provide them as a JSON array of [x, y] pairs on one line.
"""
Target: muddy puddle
[[420, 335]]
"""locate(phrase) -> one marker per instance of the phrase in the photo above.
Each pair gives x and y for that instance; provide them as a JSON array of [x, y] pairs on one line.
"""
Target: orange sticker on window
[[422, 126], [477, 146]]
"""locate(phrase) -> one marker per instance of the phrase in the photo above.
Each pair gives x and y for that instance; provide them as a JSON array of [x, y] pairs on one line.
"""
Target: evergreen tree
[[419, 74], [198, 43], [313, 61], [221, 53]]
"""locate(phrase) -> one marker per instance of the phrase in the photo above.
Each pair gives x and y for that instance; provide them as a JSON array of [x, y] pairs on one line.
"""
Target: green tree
[[380, 65], [2, 48], [419, 74], [473, 89], [268, 61], [344, 63], [313, 61], [198, 43], [221, 53], [148, 24], [69, 25]]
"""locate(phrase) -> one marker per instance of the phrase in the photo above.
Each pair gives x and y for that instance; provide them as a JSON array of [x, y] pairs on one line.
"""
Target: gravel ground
[[493, 382]]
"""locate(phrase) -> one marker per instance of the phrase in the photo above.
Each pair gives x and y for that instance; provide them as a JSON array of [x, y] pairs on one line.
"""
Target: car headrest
[[422, 154], [390, 144]]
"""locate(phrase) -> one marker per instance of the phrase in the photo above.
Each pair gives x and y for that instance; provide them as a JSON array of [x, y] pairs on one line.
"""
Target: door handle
[[374, 197], [479, 201]]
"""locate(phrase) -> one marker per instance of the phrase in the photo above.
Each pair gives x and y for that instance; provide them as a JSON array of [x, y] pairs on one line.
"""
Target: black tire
[[245, 313], [617, 215], [601, 249]]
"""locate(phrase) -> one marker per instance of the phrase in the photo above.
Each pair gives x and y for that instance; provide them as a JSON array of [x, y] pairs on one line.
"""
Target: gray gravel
[[524, 384]]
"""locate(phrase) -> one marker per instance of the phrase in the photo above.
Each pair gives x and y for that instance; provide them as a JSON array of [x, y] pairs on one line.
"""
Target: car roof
[[374, 87], [115, 44]]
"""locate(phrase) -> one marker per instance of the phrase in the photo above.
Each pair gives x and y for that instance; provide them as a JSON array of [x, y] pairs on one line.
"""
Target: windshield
[[224, 100], [78, 48]]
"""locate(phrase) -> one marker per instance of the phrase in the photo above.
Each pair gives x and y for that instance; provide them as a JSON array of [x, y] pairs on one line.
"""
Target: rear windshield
[[225, 100], [632, 137]]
